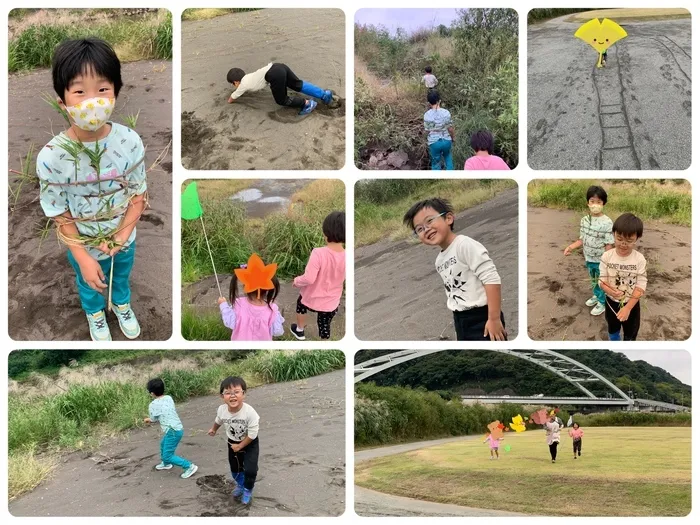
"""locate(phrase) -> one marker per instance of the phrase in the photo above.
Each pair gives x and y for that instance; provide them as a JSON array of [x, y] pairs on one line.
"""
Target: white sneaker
[[598, 309], [163, 466], [592, 301]]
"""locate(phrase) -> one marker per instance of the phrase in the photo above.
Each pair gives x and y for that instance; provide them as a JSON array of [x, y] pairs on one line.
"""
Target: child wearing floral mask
[[596, 237], [93, 182]]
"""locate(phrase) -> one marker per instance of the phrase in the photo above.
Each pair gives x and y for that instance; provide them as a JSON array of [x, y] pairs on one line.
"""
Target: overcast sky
[[408, 19], [675, 362]]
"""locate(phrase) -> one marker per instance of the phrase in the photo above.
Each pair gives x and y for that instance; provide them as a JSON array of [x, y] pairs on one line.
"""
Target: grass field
[[631, 15], [665, 200], [381, 204], [623, 471]]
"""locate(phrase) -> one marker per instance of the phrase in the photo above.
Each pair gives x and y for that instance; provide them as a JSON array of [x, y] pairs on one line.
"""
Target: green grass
[[540, 15], [194, 14], [380, 204], [622, 472], [277, 366], [665, 200], [148, 37]]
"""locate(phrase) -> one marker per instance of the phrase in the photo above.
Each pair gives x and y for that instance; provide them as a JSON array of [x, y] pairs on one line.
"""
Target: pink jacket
[[251, 322], [491, 163], [576, 433], [322, 282]]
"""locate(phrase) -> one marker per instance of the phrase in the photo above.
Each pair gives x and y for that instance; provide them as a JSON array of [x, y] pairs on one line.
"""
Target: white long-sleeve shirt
[[465, 267], [254, 81], [238, 425]]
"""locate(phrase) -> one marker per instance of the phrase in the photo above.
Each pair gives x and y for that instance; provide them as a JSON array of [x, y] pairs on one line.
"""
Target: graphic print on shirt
[[454, 283], [237, 428], [624, 277]]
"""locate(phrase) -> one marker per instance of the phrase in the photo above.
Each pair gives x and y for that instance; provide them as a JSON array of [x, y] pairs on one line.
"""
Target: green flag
[[507, 448], [189, 203]]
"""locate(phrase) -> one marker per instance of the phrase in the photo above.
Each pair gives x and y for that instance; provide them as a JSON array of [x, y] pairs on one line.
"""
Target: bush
[[275, 365], [634, 419]]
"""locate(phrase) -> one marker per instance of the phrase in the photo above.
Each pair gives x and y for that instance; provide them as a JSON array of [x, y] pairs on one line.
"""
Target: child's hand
[[236, 447], [119, 240], [568, 250], [92, 274], [617, 294], [221, 300], [147, 420], [623, 314], [495, 330], [230, 100], [211, 432], [104, 247]]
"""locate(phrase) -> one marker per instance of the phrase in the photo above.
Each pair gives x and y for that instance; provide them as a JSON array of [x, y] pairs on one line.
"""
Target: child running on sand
[[93, 182], [321, 286], [482, 143], [254, 317], [471, 281], [493, 444], [278, 77], [576, 434], [596, 237], [162, 410], [242, 424], [623, 278]]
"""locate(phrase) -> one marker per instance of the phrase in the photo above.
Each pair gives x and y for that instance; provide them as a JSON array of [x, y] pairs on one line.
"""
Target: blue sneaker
[[247, 496], [309, 107], [188, 472], [99, 331], [127, 320], [327, 96]]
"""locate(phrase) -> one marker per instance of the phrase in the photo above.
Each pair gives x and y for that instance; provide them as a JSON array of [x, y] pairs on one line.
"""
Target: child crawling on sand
[[278, 77]]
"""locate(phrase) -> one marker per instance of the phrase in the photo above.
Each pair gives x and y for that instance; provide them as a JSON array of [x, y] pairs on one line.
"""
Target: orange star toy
[[256, 275]]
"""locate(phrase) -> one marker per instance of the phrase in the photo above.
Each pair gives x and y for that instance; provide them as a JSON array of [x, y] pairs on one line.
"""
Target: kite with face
[[600, 35]]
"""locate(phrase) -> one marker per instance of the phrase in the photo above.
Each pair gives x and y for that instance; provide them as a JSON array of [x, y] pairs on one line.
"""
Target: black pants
[[470, 324], [323, 319], [577, 446], [245, 461], [553, 450], [280, 77], [630, 328]]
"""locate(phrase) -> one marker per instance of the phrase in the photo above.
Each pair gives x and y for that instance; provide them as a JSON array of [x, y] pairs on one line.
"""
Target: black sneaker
[[299, 334]]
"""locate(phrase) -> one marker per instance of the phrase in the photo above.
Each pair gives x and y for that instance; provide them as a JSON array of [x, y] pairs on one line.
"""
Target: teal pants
[[93, 301], [442, 149], [171, 439], [594, 273]]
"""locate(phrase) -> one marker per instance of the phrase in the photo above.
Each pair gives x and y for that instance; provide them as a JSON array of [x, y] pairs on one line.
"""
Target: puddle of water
[[269, 196], [274, 200], [248, 195]]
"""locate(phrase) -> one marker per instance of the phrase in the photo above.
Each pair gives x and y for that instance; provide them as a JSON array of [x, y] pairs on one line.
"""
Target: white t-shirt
[[254, 81], [465, 267], [238, 425], [430, 80]]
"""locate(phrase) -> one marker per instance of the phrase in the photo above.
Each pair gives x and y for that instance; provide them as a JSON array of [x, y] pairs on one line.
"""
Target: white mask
[[595, 208], [91, 114]]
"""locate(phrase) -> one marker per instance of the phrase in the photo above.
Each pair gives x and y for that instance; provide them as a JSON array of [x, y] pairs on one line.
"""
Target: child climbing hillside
[[429, 79], [254, 317], [321, 286]]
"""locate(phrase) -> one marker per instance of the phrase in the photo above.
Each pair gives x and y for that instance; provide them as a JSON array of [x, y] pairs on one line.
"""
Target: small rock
[[397, 158]]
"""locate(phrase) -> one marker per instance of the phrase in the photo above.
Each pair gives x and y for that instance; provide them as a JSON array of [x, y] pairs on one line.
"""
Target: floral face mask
[[91, 114]]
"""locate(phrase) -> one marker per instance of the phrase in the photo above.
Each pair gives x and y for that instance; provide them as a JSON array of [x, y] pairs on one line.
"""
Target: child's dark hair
[[433, 97], [235, 75], [232, 381], [597, 191], [334, 226], [428, 69], [628, 224], [574, 425], [482, 140], [73, 58], [156, 386], [268, 295], [436, 203]]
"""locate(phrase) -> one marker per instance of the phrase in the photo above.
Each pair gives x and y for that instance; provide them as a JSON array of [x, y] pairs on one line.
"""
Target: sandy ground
[[399, 295], [302, 463], [558, 286], [254, 132], [204, 294], [372, 503], [43, 298], [633, 114]]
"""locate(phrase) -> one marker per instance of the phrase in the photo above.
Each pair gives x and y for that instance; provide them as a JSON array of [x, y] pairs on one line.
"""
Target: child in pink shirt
[[255, 316], [484, 159], [493, 444], [321, 286], [576, 433]]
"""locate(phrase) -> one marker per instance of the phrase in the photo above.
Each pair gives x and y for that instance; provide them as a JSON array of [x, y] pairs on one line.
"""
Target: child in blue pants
[[162, 410]]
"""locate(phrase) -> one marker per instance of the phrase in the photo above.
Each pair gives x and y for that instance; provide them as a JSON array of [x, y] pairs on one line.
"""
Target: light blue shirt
[[107, 195], [436, 122], [162, 409]]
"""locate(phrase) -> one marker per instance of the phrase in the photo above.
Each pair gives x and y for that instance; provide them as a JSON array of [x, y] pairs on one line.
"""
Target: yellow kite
[[518, 424], [600, 35]]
